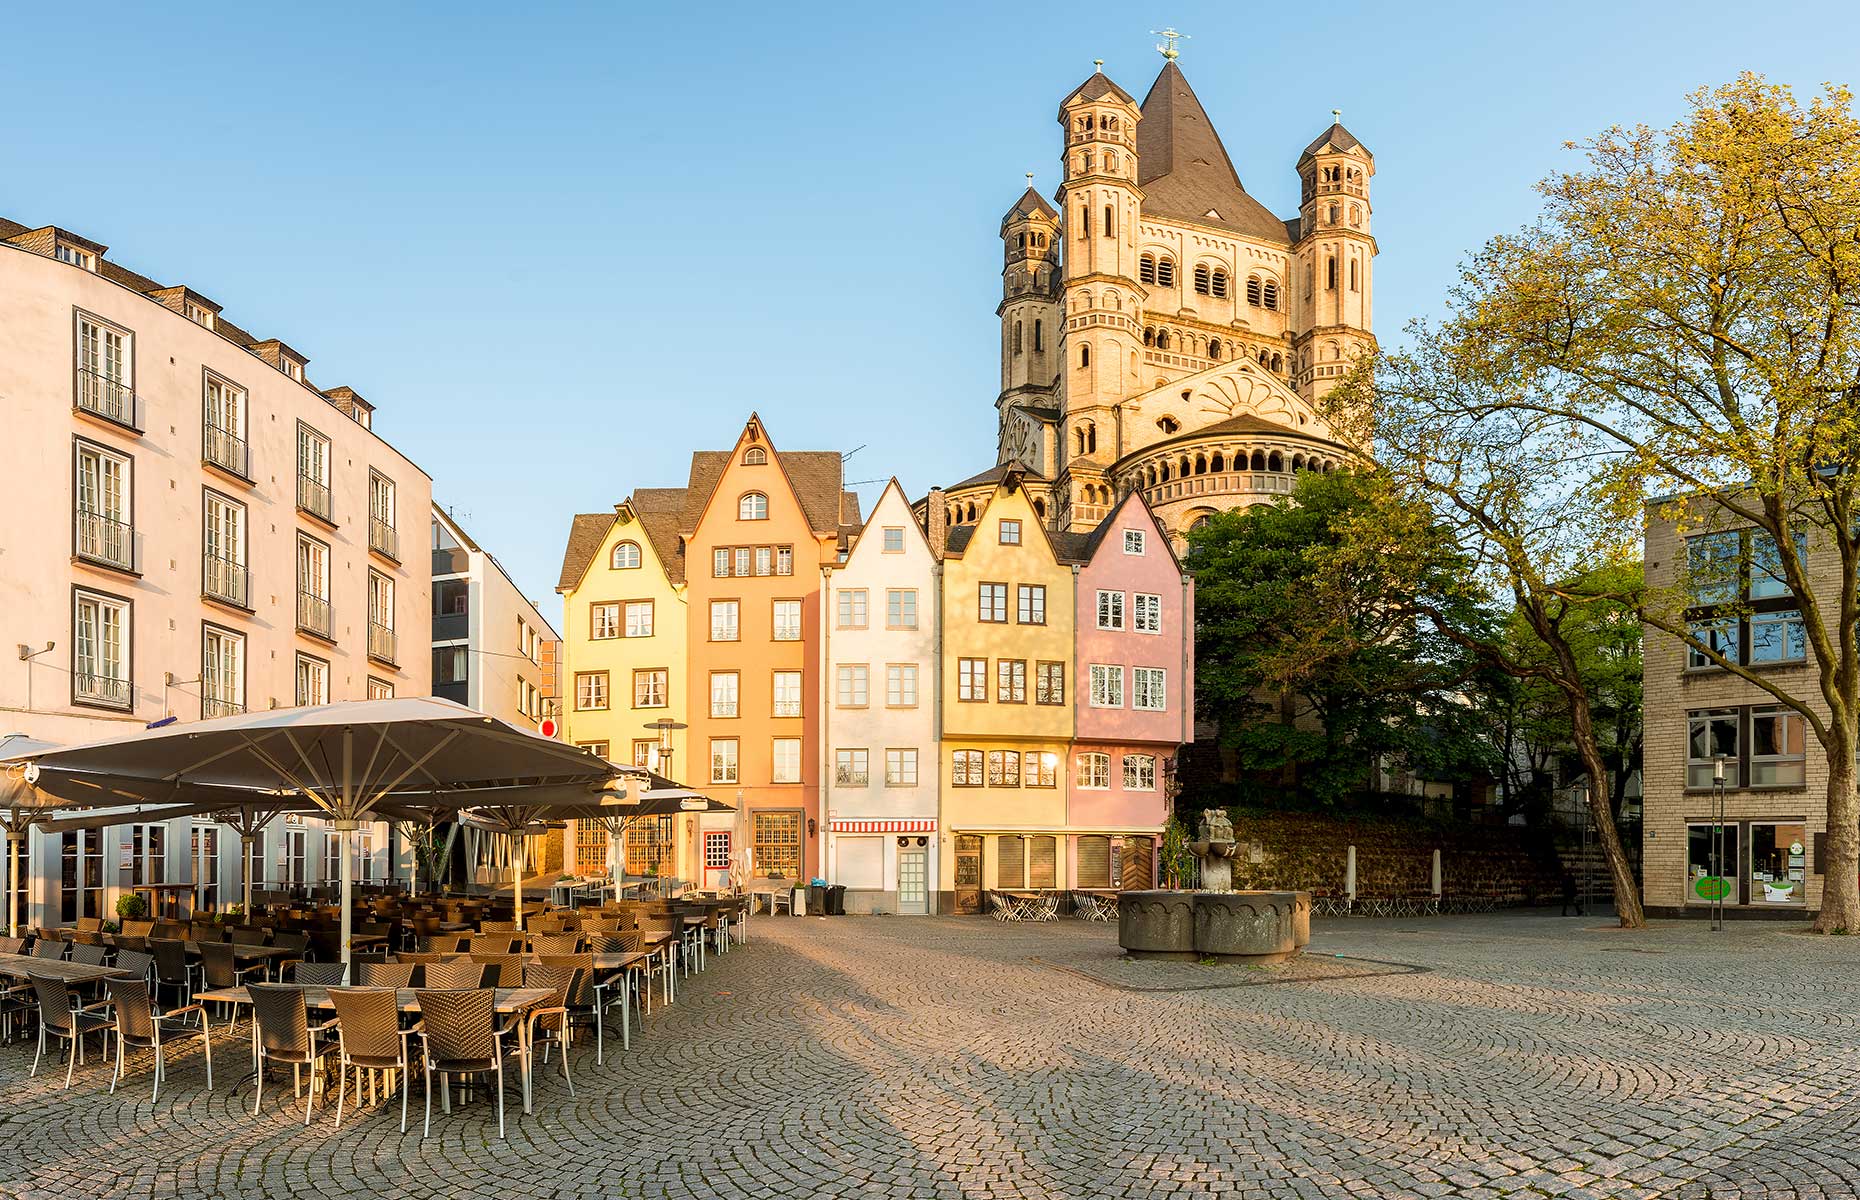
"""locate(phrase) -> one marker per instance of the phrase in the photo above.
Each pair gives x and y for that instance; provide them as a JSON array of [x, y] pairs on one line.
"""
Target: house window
[[105, 363], [222, 672], [1713, 562], [224, 443], [1004, 768], [1010, 532], [900, 608], [784, 560], [720, 563], [313, 472], [1011, 680], [723, 688], [787, 694], [852, 608], [1712, 733], [639, 618], [785, 760], [1110, 610], [101, 651], [1094, 771], [597, 749], [66, 253], [1040, 770], [383, 538], [966, 768], [590, 690], [625, 556], [971, 679], [723, 621], [603, 622], [1146, 612], [1139, 772], [645, 752], [312, 680], [752, 506], [755, 456], [1133, 541], [1149, 688], [764, 562], [1778, 637], [1049, 682], [649, 688], [1778, 747], [223, 572], [293, 368], [776, 843], [893, 539], [787, 621], [741, 567], [451, 664], [1721, 636], [901, 685], [380, 689], [105, 532], [313, 586], [992, 603], [1030, 604], [381, 639], [723, 760], [851, 682], [1107, 686], [1768, 581], [852, 768], [901, 767]]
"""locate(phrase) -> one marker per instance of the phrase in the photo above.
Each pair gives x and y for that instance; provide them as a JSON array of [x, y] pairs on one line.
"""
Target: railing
[[225, 450], [223, 579], [214, 706], [109, 398], [723, 708], [102, 689], [106, 540], [313, 497], [851, 777], [381, 643], [313, 614], [787, 708], [383, 538]]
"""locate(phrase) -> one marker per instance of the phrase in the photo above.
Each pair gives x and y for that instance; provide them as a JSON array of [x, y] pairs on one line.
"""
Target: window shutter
[[1010, 869], [1821, 854], [1095, 862], [1043, 873]]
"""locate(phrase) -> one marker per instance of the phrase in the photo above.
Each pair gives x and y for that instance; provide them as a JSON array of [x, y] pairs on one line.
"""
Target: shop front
[[1755, 863]]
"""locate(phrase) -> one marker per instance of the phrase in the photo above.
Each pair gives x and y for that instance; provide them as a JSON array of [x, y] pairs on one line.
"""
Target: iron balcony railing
[[106, 540], [214, 706], [109, 398], [723, 708], [103, 689], [383, 538], [381, 643], [313, 497], [851, 777], [226, 451], [313, 614], [787, 708], [224, 579]]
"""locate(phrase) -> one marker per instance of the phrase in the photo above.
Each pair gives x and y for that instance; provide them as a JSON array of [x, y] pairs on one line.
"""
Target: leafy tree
[[1308, 657]]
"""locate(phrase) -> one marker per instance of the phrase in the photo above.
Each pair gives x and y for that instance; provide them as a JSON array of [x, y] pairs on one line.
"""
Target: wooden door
[[968, 873], [1138, 864]]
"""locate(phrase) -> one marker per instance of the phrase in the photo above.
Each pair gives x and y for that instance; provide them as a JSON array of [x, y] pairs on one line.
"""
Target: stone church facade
[[1161, 330]]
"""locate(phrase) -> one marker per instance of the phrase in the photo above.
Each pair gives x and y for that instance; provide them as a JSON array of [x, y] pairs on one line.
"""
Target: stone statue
[[1215, 827], [1215, 849]]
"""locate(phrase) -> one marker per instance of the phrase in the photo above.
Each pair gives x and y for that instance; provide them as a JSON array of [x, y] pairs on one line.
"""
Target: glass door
[[913, 882], [204, 853], [1711, 863]]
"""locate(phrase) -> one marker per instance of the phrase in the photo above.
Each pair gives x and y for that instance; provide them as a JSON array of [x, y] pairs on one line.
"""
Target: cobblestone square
[[1518, 1054]]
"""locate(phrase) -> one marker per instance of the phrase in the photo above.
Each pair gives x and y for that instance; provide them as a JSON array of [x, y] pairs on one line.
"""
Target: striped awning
[[901, 825]]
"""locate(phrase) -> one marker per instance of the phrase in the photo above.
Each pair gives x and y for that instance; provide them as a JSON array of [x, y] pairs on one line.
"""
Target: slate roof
[[816, 476], [994, 474], [1031, 203], [661, 510], [1338, 137], [1184, 169], [1097, 87], [585, 534]]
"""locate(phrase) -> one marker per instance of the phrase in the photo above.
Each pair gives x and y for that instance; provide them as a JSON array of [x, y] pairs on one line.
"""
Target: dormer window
[[199, 315], [755, 456], [66, 253], [293, 368]]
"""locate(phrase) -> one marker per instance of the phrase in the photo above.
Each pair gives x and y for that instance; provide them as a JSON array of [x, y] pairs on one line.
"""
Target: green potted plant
[[131, 907]]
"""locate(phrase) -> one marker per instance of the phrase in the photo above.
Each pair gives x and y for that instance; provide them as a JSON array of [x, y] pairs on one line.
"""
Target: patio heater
[[1717, 844], [665, 727]]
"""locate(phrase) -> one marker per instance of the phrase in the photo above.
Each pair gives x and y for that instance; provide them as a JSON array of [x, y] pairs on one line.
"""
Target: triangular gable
[[910, 521], [1011, 482], [1239, 387], [754, 432], [1135, 496]]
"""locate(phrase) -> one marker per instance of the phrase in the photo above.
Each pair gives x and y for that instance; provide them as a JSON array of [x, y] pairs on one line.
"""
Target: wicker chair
[[327, 974], [140, 964], [219, 968], [556, 943], [459, 1035], [590, 998], [135, 928], [497, 927], [139, 1027], [454, 973], [508, 969], [444, 943], [48, 948], [91, 955], [549, 1024], [385, 974], [250, 935], [171, 968], [369, 1038], [285, 1034], [61, 1019], [11, 945], [496, 943]]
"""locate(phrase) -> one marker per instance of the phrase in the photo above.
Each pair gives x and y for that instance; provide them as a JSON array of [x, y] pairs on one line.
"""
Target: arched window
[[1085, 355], [1039, 509], [1216, 463], [1149, 335], [1085, 162], [755, 456], [1272, 294], [1353, 275], [1168, 424], [1017, 337], [1278, 363], [1084, 220], [1110, 221], [1252, 290], [1275, 461], [625, 556], [1259, 460], [1334, 214], [1330, 273], [1146, 269], [1162, 339], [1165, 272], [1039, 341], [1220, 285], [1091, 439], [1203, 276], [753, 506], [1214, 348], [1262, 357]]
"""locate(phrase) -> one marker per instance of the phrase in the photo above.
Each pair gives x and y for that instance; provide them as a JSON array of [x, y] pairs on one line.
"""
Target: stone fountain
[[1214, 922]]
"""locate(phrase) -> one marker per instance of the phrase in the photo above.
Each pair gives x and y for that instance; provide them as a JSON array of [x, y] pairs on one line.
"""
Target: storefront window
[[1711, 869], [1712, 733], [1777, 863], [777, 843], [1778, 748]]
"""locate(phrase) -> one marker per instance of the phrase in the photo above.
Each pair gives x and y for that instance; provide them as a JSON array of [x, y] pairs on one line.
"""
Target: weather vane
[[1170, 38]]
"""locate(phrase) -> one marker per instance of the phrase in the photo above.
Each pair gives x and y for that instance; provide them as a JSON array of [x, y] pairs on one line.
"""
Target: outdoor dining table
[[18, 966]]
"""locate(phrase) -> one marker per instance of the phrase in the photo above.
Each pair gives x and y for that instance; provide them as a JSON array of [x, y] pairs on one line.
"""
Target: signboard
[[547, 728], [694, 804], [1712, 887]]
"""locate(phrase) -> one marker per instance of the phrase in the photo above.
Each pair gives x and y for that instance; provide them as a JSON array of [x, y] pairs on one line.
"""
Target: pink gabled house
[[1134, 697]]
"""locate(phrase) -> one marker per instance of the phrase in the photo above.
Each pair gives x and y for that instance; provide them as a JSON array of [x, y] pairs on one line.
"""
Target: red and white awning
[[902, 825]]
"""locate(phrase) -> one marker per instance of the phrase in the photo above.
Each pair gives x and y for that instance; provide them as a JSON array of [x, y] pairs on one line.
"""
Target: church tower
[[1029, 312], [1102, 334], [1334, 260]]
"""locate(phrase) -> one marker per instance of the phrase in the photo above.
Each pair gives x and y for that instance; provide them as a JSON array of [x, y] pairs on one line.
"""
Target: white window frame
[[640, 617], [901, 685], [852, 608], [1146, 612], [657, 680], [900, 608], [604, 621], [725, 760], [1139, 772], [1107, 685], [725, 621], [785, 694], [619, 560], [104, 490], [103, 644], [314, 672], [785, 760], [1094, 771], [593, 691], [852, 685], [1149, 689], [726, 691], [1110, 609], [780, 625], [1133, 541], [752, 506], [222, 670]]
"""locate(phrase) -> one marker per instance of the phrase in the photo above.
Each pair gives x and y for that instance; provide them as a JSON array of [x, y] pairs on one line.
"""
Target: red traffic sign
[[547, 728]]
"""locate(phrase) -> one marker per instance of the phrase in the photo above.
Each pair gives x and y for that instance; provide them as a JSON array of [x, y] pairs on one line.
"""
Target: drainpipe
[[1073, 708], [943, 838], [826, 669]]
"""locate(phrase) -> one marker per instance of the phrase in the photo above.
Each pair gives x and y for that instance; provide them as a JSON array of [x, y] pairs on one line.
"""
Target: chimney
[[936, 522]]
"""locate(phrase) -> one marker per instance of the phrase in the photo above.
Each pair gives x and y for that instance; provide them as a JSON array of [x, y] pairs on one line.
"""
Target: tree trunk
[[1601, 799], [1840, 887]]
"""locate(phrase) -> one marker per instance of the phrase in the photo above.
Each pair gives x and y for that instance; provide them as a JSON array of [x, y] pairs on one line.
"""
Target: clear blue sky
[[562, 246]]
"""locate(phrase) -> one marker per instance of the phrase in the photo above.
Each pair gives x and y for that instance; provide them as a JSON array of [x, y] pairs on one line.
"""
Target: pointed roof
[[1336, 138], [1097, 87], [1184, 170], [1030, 204]]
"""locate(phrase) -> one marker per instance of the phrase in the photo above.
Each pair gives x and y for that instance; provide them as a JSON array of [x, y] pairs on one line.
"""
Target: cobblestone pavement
[[1534, 1056]]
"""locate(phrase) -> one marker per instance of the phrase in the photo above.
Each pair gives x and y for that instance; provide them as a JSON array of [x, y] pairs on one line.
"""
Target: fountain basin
[[1250, 926], [1157, 924]]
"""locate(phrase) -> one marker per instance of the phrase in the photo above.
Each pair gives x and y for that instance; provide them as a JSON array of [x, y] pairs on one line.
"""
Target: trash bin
[[836, 900], [817, 898]]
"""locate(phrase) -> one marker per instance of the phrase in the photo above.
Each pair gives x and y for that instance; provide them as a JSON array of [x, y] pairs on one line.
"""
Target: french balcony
[[313, 614], [105, 397], [381, 644], [723, 708], [112, 690], [226, 451], [106, 540], [216, 706], [787, 708], [383, 538], [223, 579], [850, 777], [313, 498]]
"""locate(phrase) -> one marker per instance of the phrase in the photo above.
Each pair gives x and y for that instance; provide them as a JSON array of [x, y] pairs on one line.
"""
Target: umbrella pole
[[13, 839], [516, 879], [246, 841], [345, 829]]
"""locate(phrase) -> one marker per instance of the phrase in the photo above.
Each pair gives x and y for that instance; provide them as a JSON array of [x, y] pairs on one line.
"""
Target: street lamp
[[666, 727], [1717, 843]]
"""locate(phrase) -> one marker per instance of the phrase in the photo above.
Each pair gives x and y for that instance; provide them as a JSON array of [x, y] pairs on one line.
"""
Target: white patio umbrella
[[348, 760], [24, 806]]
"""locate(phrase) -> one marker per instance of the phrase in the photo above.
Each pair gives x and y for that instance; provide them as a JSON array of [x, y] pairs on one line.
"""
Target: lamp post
[[1717, 843], [665, 727]]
